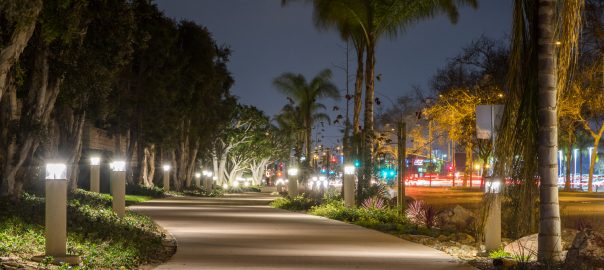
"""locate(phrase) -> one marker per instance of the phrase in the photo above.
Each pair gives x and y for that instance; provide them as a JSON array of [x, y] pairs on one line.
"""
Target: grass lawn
[[134, 199], [574, 206]]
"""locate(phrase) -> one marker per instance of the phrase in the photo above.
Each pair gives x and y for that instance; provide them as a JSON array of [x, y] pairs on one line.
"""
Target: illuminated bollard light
[[197, 180], [292, 185], [166, 168], [95, 174], [208, 181], [118, 187], [492, 229], [56, 215], [211, 187], [349, 185]]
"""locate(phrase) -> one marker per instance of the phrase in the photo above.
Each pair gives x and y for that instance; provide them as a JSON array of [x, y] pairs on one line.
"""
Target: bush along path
[[94, 232]]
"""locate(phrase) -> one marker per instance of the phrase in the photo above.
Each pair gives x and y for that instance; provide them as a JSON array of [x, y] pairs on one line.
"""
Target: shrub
[[136, 189], [422, 214], [373, 202], [298, 203], [201, 192], [500, 253]]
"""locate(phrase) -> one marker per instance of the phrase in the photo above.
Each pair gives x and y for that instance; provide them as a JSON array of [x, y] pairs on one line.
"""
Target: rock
[[463, 238], [586, 252], [526, 247], [457, 218]]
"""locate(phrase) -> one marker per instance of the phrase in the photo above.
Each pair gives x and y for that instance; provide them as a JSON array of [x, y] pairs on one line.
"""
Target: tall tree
[[307, 96], [538, 73], [373, 20]]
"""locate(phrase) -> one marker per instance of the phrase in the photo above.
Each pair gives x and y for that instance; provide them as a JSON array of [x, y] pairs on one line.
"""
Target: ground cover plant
[[94, 232]]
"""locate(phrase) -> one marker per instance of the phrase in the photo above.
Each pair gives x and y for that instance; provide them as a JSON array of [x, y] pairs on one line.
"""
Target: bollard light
[[95, 161], [225, 186], [118, 166], [493, 185], [56, 171], [167, 167], [215, 178], [197, 175], [349, 169], [210, 173], [246, 184], [292, 171]]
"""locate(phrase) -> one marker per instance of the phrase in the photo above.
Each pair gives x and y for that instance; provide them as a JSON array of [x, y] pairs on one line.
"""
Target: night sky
[[268, 39]]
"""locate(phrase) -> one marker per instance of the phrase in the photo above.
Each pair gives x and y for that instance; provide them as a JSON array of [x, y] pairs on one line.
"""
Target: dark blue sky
[[268, 39]]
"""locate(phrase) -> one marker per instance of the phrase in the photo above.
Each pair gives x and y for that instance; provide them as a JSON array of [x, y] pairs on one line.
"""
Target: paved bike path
[[240, 231]]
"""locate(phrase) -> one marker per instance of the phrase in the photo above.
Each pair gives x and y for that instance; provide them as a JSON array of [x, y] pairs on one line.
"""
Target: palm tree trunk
[[358, 91], [549, 243], [368, 117]]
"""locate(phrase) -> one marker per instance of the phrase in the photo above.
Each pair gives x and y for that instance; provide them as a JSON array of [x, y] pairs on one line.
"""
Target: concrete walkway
[[242, 232]]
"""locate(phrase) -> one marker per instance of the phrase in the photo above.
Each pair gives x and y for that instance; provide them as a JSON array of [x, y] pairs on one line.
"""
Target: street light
[[95, 171], [166, 179], [118, 187]]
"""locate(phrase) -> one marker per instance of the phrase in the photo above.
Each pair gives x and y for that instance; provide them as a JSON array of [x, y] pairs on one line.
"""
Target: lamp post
[[56, 215], [166, 168], [349, 171], [492, 230], [292, 185], [95, 172], [118, 187]]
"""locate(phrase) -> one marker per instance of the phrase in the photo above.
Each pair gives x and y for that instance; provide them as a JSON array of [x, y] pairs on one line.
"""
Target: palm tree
[[538, 70], [306, 96], [290, 125], [365, 22]]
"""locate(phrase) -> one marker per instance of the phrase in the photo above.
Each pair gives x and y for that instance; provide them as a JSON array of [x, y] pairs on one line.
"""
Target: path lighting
[[56, 215], [197, 179], [492, 235], [225, 186], [349, 185], [166, 179], [95, 174], [246, 184], [292, 186], [207, 182], [118, 187]]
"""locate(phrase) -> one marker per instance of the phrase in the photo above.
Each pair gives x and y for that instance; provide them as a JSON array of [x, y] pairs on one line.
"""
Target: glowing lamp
[[292, 171], [197, 175], [118, 166], [95, 161], [167, 168], [225, 186], [493, 185], [349, 169], [215, 178], [56, 171]]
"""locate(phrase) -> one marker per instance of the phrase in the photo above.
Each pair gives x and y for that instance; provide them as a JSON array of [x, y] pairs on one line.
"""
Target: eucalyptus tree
[[59, 29], [17, 23], [307, 96], [539, 71]]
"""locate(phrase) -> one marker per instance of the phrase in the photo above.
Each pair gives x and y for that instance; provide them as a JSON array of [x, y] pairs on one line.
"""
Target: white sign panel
[[487, 118]]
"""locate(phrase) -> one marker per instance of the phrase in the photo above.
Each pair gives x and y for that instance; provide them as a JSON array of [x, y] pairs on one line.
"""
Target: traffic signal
[[357, 163]]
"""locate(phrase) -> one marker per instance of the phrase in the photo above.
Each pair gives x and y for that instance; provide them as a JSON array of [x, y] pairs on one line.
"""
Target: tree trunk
[[368, 117], [71, 128], [569, 155], [23, 31], [468, 171], [358, 91], [549, 240], [592, 163]]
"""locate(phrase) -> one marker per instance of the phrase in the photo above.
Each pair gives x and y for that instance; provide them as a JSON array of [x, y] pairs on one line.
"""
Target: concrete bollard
[[492, 229], [349, 185], [292, 185], [166, 177], [95, 174]]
